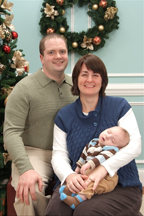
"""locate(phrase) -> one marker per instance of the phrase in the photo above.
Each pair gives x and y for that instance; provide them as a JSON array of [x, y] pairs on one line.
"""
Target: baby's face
[[112, 137]]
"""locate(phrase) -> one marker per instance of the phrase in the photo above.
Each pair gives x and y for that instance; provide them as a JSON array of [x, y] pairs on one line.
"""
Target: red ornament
[[26, 68], [50, 30], [103, 3], [96, 40], [14, 35], [6, 49], [60, 2]]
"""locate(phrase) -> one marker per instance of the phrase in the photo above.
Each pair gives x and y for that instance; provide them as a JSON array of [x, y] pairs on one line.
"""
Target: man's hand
[[26, 184]]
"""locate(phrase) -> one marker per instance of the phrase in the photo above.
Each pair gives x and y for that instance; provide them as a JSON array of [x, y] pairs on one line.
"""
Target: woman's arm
[[61, 163], [129, 152], [60, 158]]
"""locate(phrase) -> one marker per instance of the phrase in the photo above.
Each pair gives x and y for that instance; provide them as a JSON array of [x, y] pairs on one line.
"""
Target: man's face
[[55, 58]]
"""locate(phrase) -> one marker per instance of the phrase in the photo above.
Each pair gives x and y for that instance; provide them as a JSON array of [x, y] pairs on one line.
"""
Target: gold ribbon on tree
[[7, 6], [2, 33], [8, 20], [19, 63]]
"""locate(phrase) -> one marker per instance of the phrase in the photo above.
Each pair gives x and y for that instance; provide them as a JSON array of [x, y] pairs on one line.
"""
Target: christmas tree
[[13, 67]]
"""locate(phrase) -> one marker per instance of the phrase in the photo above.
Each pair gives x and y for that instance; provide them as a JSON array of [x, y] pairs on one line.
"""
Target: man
[[28, 127]]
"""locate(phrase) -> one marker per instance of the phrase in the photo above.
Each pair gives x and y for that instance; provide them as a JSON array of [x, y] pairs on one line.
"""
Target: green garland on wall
[[102, 12]]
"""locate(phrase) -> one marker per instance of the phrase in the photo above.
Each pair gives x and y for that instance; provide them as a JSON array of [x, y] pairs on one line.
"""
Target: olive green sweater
[[29, 115]]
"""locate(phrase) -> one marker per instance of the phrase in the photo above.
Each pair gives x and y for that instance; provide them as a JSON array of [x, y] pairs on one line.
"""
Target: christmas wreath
[[102, 12]]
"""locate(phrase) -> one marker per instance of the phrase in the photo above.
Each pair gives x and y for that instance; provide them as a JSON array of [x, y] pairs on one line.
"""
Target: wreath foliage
[[53, 20]]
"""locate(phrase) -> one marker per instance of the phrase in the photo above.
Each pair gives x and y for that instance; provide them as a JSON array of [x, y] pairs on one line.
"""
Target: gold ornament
[[87, 43], [60, 2], [103, 3], [50, 12], [19, 63], [7, 6], [2, 67], [110, 12], [95, 7], [100, 27], [74, 44], [0, 2], [50, 30], [62, 30], [63, 11], [96, 40]]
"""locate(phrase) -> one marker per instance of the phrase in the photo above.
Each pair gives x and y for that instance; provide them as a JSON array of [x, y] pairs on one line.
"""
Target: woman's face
[[89, 83]]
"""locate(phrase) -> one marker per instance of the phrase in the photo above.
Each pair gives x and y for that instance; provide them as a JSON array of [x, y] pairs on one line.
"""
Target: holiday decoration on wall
[[102, 12], [13, 67]]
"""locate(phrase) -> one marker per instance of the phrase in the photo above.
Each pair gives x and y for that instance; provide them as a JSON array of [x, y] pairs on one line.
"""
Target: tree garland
[[102, 12]]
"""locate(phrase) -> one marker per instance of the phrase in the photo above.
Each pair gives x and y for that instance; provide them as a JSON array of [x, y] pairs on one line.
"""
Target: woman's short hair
[[94, 63], [48, 37]]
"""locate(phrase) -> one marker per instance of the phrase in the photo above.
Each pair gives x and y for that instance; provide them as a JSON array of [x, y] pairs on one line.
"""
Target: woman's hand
[[97, 175], [75, 182], [77, 170]]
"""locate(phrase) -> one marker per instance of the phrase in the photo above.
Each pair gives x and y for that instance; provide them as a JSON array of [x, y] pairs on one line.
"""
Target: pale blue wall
[[122, 53]]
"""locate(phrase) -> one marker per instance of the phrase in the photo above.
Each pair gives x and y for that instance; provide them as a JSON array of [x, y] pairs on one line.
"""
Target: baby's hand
[[84, 168]]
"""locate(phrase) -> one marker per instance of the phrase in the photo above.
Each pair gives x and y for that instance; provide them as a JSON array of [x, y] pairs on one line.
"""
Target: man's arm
[[16, 113]]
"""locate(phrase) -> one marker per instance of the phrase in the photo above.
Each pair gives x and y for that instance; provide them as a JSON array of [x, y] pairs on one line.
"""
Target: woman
[[79, 122]]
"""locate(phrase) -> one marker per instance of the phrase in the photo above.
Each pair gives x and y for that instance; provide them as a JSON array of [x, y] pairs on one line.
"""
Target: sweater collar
[[95, 112], [45, 80]]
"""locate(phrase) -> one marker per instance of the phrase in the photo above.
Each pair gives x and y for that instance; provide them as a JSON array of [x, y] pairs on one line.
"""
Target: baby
[[95, 153]]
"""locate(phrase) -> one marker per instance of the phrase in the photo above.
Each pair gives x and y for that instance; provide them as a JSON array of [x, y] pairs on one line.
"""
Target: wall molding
[[132, 89], [126, 75], [136, 103], [140, 161]]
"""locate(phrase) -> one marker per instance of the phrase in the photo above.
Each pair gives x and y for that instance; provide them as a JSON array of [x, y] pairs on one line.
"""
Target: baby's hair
[[126, 134]]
